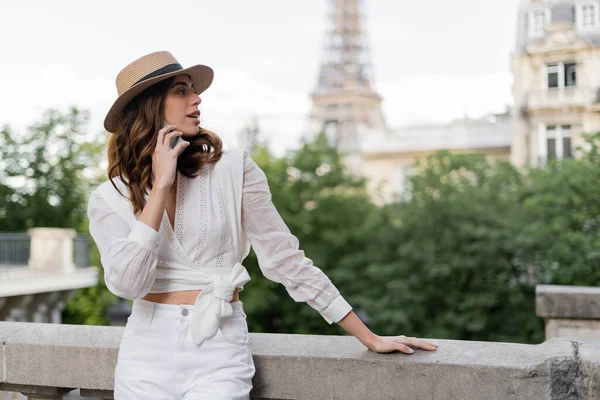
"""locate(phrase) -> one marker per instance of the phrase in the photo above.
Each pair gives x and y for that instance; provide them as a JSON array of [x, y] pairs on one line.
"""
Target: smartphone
[[175, 141]]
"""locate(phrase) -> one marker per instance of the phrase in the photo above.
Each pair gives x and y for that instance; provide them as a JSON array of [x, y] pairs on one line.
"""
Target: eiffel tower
[[344, 99]]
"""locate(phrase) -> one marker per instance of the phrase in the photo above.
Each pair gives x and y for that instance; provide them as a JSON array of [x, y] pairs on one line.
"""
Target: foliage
[[53, 168], [466, 248], [328, 210], [47, 175]]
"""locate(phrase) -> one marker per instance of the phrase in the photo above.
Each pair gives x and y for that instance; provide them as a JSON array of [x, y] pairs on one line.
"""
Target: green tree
[[52, 169], [560, 233], [469, 244], [330, 212], [47, 175], [450, 269], [458, 258]]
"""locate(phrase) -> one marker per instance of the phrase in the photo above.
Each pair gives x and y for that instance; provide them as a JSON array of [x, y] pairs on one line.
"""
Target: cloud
[[438, 99], [237, 96], [31, 92]]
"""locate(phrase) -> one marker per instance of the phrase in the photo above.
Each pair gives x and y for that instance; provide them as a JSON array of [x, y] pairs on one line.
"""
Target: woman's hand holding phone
[[164, 160], [176, 140]]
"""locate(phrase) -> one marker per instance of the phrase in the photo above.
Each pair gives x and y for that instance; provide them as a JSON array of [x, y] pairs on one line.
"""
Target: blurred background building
[[556, 81], [347, 107], [556, 70], [389, 157]]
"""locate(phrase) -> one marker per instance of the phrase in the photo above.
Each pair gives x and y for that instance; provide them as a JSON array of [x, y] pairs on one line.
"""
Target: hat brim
[[201, 75]]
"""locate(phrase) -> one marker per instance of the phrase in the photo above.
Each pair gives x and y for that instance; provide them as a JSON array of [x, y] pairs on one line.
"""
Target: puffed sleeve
[[128, 255], [279, 256]]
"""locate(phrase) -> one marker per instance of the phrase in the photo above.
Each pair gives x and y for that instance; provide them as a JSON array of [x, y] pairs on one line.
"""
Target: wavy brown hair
[[131, 146]]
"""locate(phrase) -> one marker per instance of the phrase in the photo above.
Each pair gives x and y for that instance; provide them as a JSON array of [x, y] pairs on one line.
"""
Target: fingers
[[411, 341], [180, 147], [166, 133], [405, 349], [161, 134], [169, 136]]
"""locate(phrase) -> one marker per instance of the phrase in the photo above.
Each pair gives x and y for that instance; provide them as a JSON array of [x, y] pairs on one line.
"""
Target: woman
[[173, 226]]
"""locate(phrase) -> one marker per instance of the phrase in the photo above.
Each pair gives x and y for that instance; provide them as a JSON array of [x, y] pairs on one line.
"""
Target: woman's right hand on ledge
[[401, 343]]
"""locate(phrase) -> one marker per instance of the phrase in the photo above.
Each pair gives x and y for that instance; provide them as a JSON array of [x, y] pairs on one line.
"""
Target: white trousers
[[158, 361]]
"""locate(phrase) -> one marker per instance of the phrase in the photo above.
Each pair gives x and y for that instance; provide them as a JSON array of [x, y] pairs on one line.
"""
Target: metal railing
[[14, 249], [81, 256]]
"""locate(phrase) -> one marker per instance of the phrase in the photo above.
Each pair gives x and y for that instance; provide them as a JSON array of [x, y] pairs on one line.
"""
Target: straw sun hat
[[145, 72]]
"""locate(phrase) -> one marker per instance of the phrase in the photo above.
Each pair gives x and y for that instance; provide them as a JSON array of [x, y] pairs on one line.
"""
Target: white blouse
[[219, 214]]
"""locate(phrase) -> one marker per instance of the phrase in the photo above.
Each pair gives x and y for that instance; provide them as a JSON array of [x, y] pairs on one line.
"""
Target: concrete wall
[[48, 359]]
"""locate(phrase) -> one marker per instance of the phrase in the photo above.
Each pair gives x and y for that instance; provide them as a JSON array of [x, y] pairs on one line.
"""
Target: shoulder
[[106, 195], [232, 160], [233, 156], [107, 190]]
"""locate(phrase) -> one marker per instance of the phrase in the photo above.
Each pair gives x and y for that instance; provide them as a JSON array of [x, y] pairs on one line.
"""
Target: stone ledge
[[25, 281], [589, 353], [573, 329], [323, 367], [572, 302]]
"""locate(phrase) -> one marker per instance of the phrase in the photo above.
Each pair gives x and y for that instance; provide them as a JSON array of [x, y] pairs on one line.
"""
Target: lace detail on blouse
[[171, 238], [223, 219], [180, 204], [203, 217]]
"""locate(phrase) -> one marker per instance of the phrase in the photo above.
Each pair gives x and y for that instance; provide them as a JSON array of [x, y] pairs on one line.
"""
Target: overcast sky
[[433, 60]]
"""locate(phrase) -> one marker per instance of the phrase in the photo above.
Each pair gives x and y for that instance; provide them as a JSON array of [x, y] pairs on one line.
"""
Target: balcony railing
[[15, 247], [37, 263], [561, 97], [15, 252]]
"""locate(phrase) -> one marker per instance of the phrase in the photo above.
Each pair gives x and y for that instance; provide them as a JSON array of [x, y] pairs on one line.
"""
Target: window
[[561, 75], [553, 74], [588, 16], [551, 142], [558, 142], [567, 152], [570, 75], [538, 19]]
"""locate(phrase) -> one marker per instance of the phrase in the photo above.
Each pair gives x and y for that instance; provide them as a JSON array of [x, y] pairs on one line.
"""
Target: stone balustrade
[[571, 312], [573, 96], [45, 361]]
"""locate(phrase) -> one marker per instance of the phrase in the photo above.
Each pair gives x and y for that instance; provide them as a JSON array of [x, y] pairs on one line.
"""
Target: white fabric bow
[[213, 303]]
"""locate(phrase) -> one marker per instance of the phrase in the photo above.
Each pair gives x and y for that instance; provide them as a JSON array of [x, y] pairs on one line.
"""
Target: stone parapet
[[49, 360], [570, 312], [572, 302]]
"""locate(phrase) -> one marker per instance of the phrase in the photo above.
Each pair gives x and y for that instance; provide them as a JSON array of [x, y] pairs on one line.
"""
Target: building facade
[[556, 93], [556, 70], [389, 157], [346, 106]]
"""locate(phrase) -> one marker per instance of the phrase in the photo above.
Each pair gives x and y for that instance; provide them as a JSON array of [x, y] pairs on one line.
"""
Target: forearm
[[354, 326], [153, 210]]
